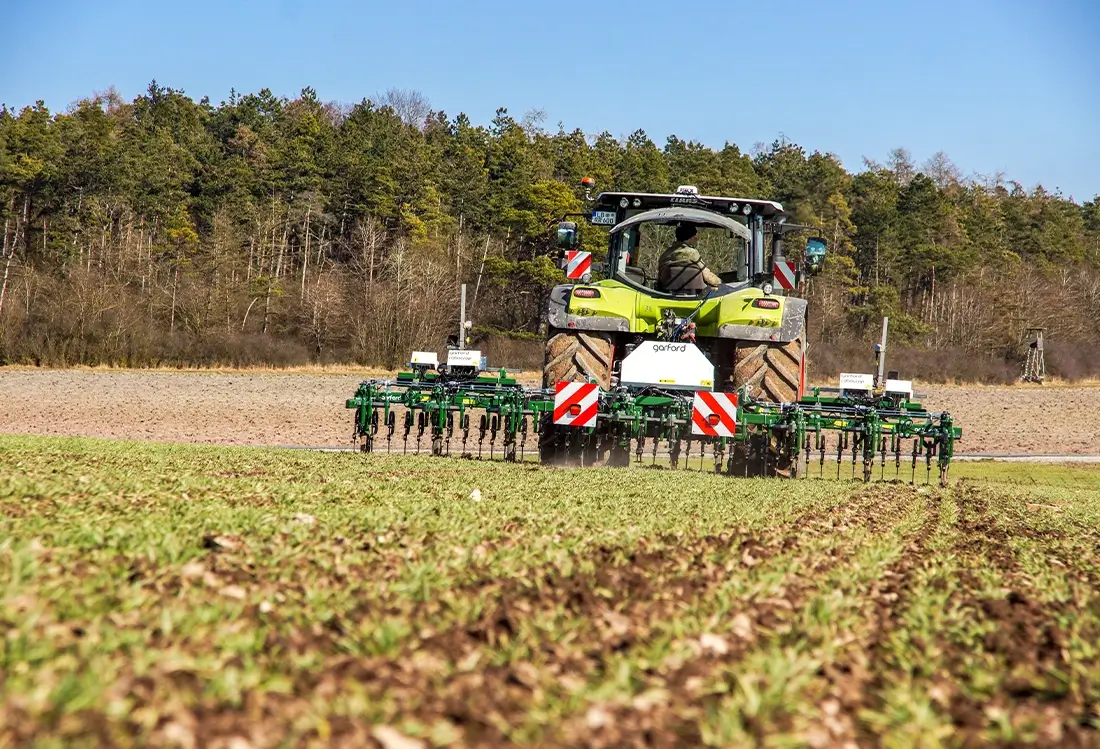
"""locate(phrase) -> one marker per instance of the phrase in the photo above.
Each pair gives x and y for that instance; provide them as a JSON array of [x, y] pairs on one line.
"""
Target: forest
[[264, 230]]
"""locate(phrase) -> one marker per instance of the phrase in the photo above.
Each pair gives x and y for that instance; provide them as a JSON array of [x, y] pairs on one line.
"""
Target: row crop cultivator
[[492, 416]]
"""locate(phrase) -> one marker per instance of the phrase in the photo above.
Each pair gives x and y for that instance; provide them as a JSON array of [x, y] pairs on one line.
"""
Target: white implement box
[[899, 387], [664, 364], [424, 360]]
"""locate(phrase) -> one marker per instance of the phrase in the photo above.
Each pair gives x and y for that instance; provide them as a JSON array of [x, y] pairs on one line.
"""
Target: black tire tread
[[578, 355]]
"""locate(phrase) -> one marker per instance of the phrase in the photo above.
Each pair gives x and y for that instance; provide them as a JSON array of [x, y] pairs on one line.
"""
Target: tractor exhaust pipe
[[778, 255]]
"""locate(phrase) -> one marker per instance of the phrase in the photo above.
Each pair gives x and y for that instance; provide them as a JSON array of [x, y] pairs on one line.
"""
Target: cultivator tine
[[494, 424], [408, 428], [913, 472], [882, 467], [421, 423], [483, 427], [464, 423], [391, 425], [821, 447], [509, 440]]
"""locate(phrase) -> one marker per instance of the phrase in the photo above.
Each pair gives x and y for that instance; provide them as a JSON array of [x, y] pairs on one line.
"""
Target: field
[[174, 595], [307, 408]]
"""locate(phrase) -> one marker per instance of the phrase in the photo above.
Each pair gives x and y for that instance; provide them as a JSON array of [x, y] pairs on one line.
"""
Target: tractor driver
[[681, 268]]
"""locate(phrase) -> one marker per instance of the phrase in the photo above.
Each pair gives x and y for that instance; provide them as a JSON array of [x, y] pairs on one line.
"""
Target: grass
[[182, 595]]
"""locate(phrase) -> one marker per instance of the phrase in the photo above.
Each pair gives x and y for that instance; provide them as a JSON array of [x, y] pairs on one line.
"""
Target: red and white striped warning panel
[[714, 414], [577, 263], [576, 403], [786, 274]]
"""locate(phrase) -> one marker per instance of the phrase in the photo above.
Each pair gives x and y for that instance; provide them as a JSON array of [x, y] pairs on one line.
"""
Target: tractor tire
[[571, 356], [773, 372], [578, 355]]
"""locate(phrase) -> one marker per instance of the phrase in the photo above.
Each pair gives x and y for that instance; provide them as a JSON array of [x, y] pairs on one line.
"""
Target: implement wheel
[[573, 355]]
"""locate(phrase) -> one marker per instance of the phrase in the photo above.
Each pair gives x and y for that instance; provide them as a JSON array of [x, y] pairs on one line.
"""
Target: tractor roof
[[688, 215], [688, 197]]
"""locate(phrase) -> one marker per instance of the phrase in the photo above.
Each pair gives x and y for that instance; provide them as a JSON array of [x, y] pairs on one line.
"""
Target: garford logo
[[672, 348]]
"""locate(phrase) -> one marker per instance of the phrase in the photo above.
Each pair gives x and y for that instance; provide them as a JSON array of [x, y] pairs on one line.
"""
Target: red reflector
[[713, 420], [586, 293], [766, 303], [575, 409]]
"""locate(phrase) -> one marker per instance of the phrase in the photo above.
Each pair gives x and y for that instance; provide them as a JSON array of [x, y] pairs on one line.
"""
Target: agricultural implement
[[664, 358], [490, 415]]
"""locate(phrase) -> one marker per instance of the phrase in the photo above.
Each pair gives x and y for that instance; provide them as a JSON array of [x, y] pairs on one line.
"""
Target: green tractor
[[683, 267]]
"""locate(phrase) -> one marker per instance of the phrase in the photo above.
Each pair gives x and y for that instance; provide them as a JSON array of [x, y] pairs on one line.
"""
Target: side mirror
[[815, 254], [567, 236]]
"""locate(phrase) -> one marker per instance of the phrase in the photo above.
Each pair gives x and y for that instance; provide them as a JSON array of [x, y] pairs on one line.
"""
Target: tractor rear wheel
[[573, 355], [578, 355], [773, 372]]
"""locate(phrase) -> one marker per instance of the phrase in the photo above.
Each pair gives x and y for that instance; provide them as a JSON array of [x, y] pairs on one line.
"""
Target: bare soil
[[307, 408]]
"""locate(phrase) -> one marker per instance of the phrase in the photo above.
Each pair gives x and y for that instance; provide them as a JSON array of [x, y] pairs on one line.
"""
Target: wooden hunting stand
[[1035, 369]]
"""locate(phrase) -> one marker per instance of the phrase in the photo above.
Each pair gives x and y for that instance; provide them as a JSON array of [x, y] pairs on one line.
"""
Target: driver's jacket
[[681, 268]]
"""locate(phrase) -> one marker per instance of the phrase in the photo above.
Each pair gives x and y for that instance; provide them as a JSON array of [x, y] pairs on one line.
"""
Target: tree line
[[263, 229]]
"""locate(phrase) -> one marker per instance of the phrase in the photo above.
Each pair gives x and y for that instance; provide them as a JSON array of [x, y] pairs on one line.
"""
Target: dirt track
[[294, 408]]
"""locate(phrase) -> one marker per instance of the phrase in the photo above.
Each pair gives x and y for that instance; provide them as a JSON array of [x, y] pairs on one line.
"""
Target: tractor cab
[[712, 250], [738, 241]]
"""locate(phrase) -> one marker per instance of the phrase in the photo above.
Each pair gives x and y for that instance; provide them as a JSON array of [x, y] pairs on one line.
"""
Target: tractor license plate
[[604, 218]]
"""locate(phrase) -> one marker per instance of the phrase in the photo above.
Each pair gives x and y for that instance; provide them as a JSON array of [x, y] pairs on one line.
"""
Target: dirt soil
[[307, 408]]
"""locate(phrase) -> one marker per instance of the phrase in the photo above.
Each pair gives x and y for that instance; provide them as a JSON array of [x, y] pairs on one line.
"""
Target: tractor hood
[[611, 306], [688, 215]]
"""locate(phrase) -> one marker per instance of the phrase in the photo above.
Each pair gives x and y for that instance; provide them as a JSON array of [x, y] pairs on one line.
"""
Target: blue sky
[[1008, 86]]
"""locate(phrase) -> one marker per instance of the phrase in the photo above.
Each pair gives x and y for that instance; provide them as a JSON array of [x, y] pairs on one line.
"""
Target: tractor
[[747, 321]]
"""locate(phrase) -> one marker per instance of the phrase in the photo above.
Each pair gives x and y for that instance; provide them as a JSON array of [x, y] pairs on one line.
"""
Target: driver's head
[[684, 232]]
